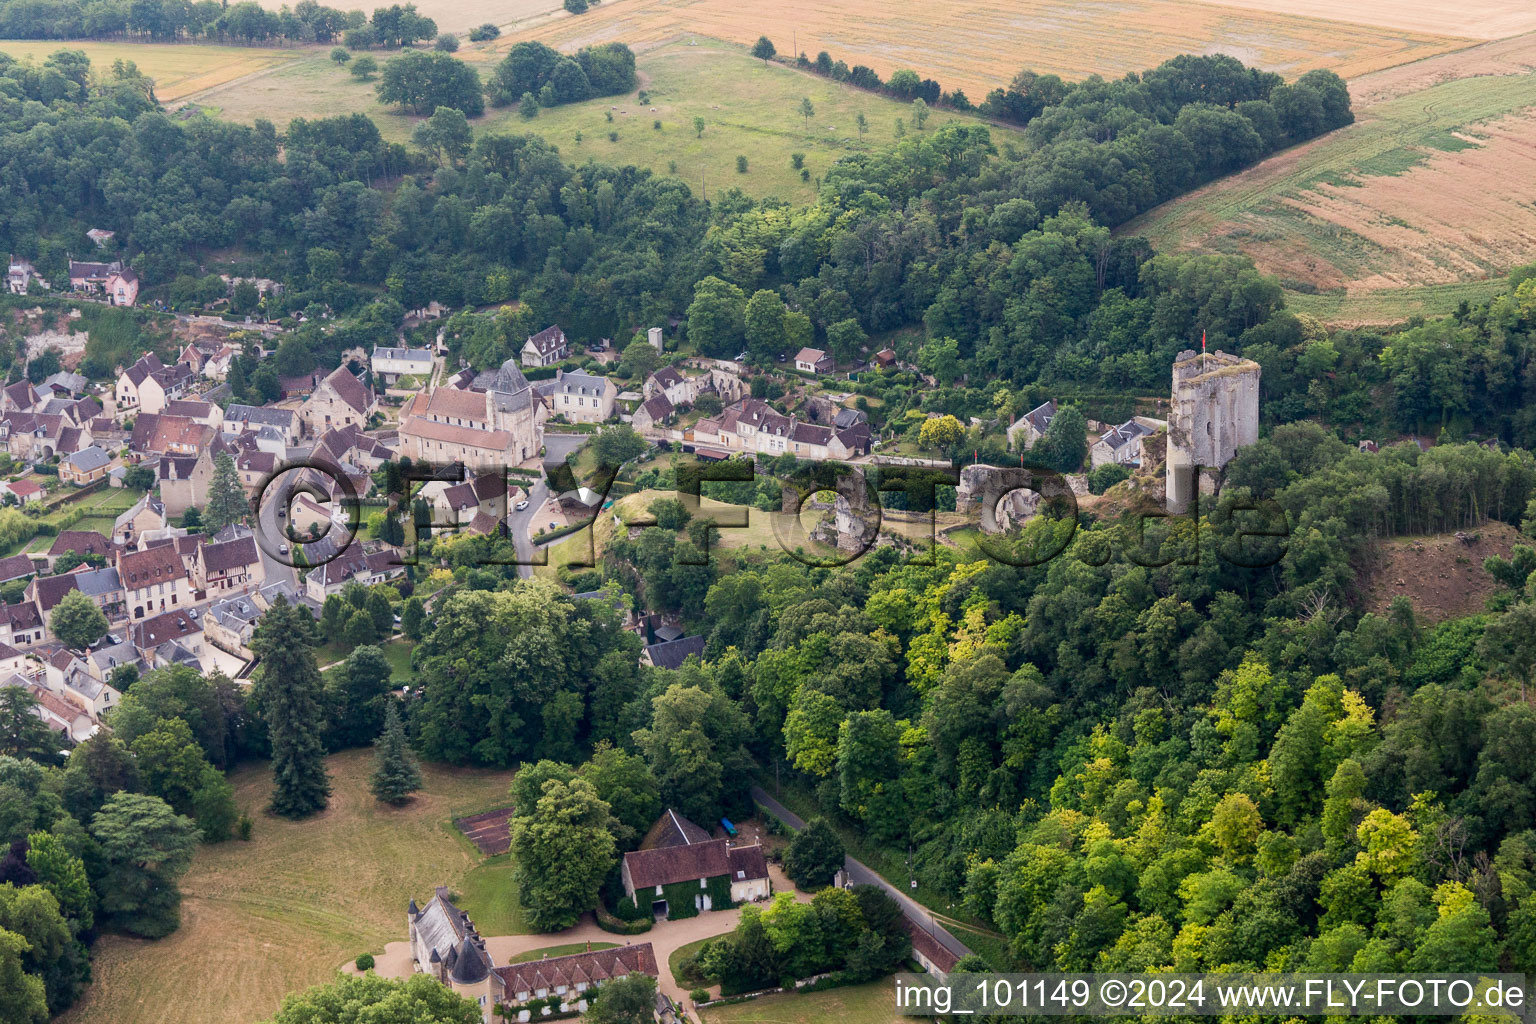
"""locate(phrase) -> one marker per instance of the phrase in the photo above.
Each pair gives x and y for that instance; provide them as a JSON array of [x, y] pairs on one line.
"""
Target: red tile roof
[[595, 967]]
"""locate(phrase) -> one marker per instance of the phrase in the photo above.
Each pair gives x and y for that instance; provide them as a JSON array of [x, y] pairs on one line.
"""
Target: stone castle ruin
[[1214, 412]]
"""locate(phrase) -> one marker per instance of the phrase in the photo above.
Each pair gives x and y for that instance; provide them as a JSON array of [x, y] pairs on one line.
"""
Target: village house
[[21, 624], [71, 678], [445, 944], [340, 400], [24, 491], [231, 565], [1120, 445], [65, 384], [653, 414], [20, 397], [546, 348], [1031, 427], [483, 495], [752, 425], [353, 565], [170, 638], [117, 284], [390, 364], [580, 397], [205, 413], [100, 237], [146, 516], [69, 723], [814, 360], [229, 623], [154, 581], [34, 437], [679, 862], [16, 567], [85, 466], [20, 275], [672, 653], [169, 435], [240, 419], [103, 586], [82, 543], [147, 385]]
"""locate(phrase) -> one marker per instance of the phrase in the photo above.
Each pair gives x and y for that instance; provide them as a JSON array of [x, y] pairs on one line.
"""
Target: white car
[[282, 549], [520, 506]]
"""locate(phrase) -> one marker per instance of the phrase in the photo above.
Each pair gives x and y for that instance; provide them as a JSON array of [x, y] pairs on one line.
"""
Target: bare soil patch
[[1442, 574]]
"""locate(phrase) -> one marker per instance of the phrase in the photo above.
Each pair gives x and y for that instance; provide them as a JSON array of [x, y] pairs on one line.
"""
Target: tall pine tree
[[290, 697], [395, 772], [226, 498]]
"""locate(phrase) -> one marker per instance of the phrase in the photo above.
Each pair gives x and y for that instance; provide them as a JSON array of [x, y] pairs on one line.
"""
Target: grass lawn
[[874, 1003], [565, 950], [398, 653], [488, 894], [750, 109], [283, 911]]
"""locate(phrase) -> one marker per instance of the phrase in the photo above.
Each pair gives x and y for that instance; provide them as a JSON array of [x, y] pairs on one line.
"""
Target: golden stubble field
[[179, 70], [1422, 196], [978, 45]]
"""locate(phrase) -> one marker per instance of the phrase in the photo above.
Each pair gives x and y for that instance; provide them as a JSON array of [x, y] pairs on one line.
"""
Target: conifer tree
[[395, 772], [290, 697], [226, 498]]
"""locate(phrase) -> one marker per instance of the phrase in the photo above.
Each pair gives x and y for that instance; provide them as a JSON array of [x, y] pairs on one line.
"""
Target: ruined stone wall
[[1214, 412]]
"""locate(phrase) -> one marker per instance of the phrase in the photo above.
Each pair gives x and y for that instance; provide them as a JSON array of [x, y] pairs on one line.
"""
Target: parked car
[[520, 506], [282, 549]]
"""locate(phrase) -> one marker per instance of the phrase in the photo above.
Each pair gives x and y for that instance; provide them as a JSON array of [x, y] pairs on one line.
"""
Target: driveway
[[861, 875], [665, 937]]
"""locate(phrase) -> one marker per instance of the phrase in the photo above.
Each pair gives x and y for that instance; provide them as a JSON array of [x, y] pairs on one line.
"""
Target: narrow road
[[861, 875]]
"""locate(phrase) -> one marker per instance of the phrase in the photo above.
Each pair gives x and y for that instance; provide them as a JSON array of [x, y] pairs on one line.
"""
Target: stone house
[[814, 360], [580, 397], [340, 400], [149, 384], [682, 862], [154, 581], [1120, 445], [84, 466], [1031, 427], [231, 565], [546, 348], [390, 364]]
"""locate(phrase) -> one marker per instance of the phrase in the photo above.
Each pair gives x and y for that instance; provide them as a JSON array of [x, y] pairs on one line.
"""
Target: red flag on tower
[[1202, 342]]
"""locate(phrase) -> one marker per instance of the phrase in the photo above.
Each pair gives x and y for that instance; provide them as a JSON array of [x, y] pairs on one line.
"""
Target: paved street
[[861, 875]]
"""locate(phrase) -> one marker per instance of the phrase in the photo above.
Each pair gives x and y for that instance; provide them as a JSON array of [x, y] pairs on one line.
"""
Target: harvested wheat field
[[276, 914], [1415, 195], [178, 70], [1478, 19], [460, 15], [980, 44]]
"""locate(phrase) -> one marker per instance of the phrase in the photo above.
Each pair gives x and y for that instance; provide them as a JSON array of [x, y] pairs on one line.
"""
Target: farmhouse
[[20, 275], [239, 419], [546, 348], [685, 866]]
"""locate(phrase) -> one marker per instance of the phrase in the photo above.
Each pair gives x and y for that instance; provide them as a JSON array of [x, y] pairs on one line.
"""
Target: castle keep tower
[[1215, 411]]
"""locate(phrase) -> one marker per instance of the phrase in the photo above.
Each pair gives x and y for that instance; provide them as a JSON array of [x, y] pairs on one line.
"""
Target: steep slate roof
[[595, 967], [15, 567], [673, 653], [548, 340], [672, 829], [1039, 418], [88, 459], [164, 628], [1119, 437], [657, 406], [747, 862], [349, 389], [441, 926], [81, 542], [154, 565], [471, 966], [187, 407], [229, 555], [667, 376], [685, 863], [280, 418]]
